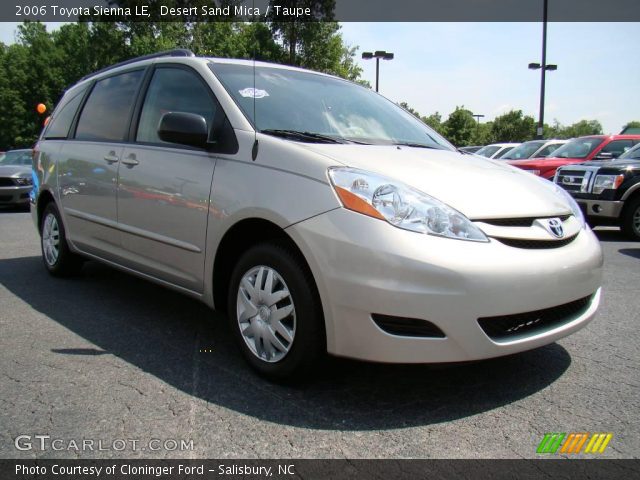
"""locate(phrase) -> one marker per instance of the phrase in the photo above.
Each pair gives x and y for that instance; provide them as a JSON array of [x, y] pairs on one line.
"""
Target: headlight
[[400, 205], [24, 181], [575, 208], [606, 182]]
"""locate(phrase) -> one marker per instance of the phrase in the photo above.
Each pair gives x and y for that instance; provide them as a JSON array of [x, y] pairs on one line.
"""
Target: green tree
[[513, 126], [581, 128], [411, 110], [434, 120], [297, 35], [460, 127], [32, 67], [483, 134]]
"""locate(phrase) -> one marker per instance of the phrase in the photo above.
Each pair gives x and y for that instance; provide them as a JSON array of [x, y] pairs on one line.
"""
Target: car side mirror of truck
[[184, 128], [604, 156]]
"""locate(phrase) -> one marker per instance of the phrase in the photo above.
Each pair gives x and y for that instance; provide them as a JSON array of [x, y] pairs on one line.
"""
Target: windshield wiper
[[303, 136], [416, 145]]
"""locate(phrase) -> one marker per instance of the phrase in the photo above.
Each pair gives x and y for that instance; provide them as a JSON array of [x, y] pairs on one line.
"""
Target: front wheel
[[58, 259], [275, 312], [631, 220]]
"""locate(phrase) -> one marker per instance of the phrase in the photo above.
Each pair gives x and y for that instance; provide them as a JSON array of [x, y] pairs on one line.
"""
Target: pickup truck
[[607, 192]]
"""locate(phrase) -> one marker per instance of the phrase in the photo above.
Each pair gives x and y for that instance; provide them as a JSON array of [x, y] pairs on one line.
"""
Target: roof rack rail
[[178, 52]]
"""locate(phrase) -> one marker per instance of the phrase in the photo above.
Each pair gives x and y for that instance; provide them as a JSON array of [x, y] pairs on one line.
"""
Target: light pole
[[543, 70], [477, 116], [378, 54]]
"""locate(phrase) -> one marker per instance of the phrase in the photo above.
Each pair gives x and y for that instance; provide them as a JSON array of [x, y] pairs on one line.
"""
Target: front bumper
[[364, 266], [601, 208], [15, 195]]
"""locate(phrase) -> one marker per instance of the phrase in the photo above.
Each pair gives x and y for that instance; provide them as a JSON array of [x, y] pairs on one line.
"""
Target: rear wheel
[[57, 257], [631, 219], [275, 313]]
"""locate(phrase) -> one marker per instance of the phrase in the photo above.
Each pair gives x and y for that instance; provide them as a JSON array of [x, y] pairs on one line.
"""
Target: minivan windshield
[[309, 107], [578, 148]]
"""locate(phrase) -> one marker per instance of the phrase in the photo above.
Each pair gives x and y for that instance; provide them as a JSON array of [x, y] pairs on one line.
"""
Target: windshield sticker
[[253, 93]]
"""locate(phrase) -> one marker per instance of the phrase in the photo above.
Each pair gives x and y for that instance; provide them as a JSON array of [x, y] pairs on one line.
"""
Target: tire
[[58, 259], [631, 219], [279, 326]]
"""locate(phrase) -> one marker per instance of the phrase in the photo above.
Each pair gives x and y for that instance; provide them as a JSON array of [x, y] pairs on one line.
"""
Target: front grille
[[536, 244], [573, 180], [507, 326], [6, 198], [7, 182], [518, 222], [407, 327]]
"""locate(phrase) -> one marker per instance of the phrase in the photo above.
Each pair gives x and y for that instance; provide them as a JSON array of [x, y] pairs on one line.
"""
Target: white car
[[533, 149], [496, 150]]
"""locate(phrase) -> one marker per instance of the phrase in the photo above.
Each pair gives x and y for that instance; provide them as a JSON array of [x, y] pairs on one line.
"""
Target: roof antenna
[[254, 150]]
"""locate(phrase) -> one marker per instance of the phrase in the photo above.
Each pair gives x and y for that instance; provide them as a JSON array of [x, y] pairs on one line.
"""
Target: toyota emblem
[[555, 227]]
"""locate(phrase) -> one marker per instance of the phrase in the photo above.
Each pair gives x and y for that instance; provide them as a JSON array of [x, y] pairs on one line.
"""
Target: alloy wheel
[[51, 239]]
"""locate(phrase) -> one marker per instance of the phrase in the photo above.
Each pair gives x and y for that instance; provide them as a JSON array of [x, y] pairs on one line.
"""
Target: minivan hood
[[477, 187]]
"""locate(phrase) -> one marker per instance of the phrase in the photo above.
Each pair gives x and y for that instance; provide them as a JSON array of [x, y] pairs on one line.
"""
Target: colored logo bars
[[573, 443]]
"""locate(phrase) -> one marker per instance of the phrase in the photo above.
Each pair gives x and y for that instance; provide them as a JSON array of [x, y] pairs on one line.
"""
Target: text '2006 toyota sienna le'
[[319, 215]]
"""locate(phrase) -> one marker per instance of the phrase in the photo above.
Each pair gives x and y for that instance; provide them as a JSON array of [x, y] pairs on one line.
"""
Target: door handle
[[130, 161], [111, 157]]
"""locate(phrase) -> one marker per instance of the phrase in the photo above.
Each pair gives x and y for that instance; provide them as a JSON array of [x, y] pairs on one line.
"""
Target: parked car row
[[578, 150], [496, 150], [533, 149], [517, 151]]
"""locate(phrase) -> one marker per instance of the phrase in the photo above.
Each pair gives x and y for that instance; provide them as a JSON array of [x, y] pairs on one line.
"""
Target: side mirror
[[604, 156], [183, 128]]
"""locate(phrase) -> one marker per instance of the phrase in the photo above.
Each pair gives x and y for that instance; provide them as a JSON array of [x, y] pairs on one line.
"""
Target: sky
[[483, 67]]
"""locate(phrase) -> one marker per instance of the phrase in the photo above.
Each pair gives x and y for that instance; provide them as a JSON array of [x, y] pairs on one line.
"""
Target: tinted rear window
[[105, 116], [61, 121]]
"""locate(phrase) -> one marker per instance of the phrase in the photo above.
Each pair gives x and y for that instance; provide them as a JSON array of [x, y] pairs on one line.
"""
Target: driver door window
[[617, 147], [173, 90]]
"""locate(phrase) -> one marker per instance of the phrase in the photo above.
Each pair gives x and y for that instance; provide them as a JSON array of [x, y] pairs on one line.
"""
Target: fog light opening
[[407, 327]]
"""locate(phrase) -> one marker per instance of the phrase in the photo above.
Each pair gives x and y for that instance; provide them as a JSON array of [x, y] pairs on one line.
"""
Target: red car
[[578, 150]]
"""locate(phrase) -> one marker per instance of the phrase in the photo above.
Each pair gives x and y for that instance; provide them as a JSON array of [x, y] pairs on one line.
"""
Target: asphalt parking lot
[[107, 357]]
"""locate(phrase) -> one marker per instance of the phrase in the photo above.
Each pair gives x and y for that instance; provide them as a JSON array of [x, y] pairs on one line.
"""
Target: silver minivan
[[319, 215]]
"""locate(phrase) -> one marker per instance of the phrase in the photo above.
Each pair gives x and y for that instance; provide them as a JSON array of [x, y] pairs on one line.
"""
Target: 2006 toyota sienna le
[[319, 215]]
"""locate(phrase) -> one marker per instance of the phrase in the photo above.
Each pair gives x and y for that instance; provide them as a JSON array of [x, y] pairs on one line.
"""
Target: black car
[[15, 177], [608, 192]]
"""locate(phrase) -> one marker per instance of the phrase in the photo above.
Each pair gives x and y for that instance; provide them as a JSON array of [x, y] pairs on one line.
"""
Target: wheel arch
[[630, 203], [236, 240], [44, 199]]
